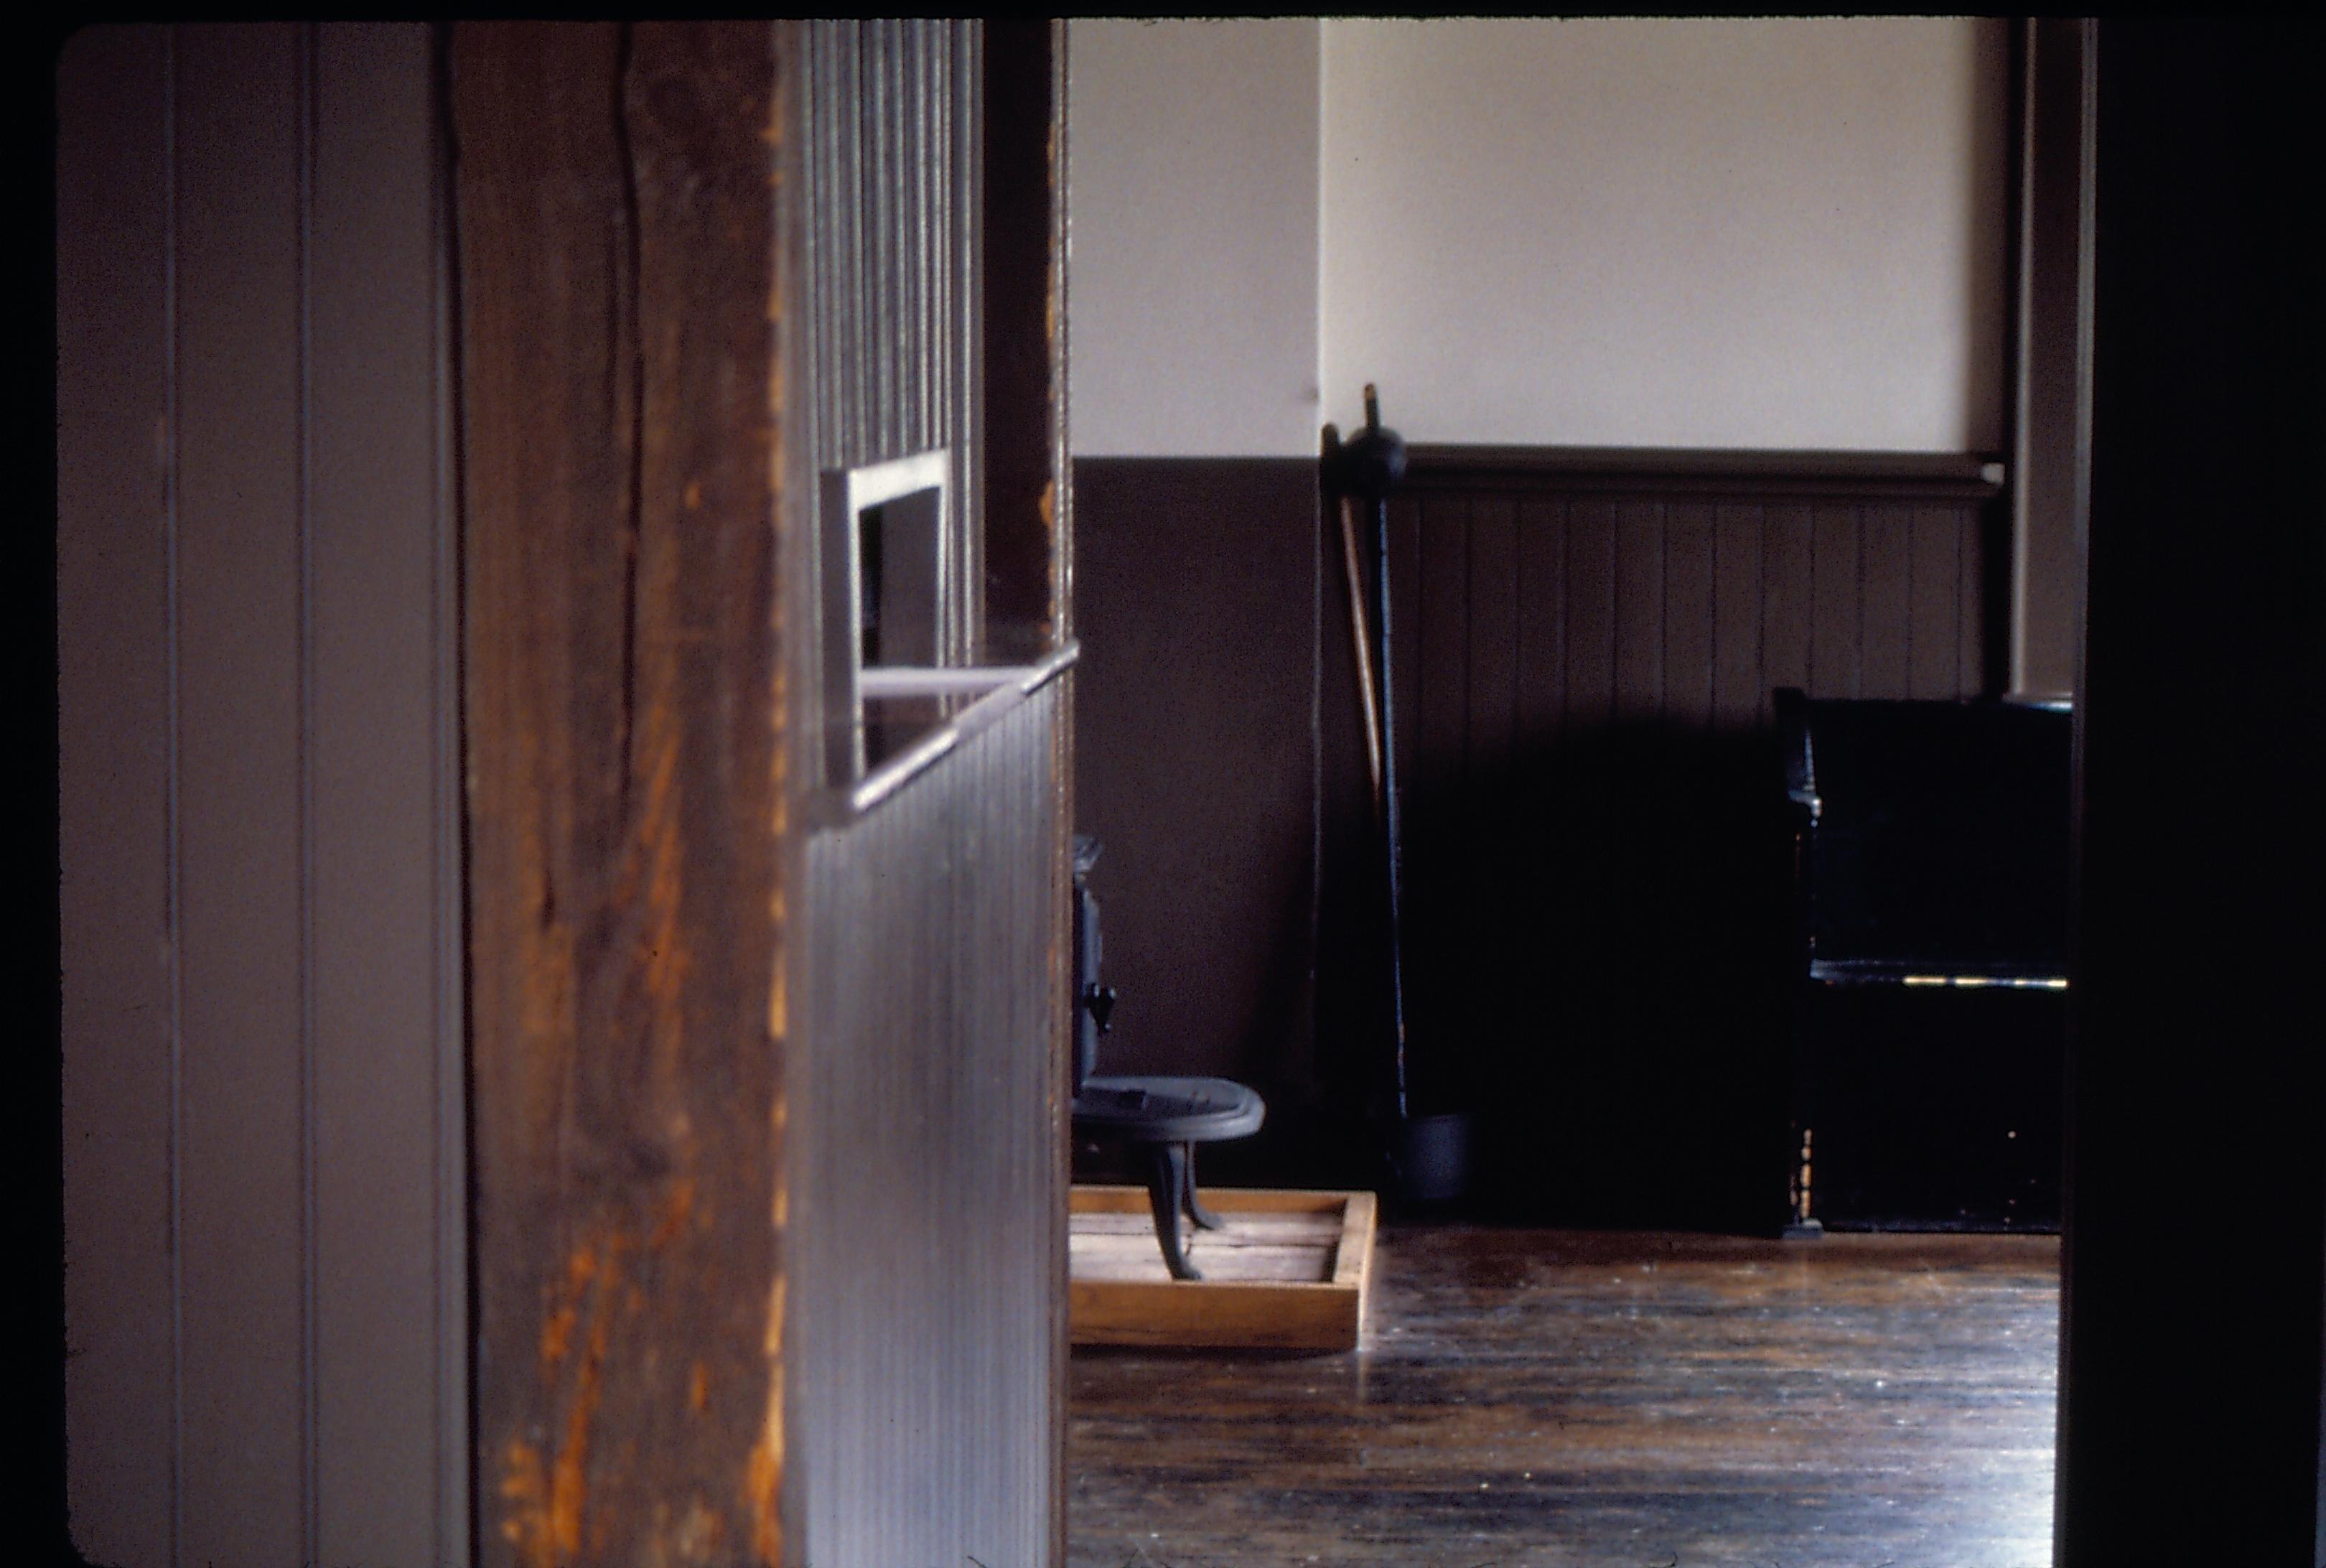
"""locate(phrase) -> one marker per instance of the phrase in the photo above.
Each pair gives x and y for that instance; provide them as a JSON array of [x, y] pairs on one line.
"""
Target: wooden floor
[[1526, 1398]]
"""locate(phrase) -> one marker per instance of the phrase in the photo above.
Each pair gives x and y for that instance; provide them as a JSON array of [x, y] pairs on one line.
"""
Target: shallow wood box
[[1291, 1271]]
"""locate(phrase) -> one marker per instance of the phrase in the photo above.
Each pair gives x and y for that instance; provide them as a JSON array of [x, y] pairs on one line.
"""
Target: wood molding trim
[[1734, 474]]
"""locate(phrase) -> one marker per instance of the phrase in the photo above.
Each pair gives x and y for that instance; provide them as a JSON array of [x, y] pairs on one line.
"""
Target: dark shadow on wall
[[1597, 931], [1596, 923]]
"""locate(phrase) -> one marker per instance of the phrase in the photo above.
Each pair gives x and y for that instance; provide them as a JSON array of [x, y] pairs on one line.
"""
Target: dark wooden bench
[[1930, 965]]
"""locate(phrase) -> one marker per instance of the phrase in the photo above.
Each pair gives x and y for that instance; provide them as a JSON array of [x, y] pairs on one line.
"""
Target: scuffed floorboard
[[1535, 1398]]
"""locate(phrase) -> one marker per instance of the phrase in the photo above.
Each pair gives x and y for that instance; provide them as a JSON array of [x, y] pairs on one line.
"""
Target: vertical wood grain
[[1740, 618], [265, 279], [1786, 610], [891, 249], [1405, 616], [928, 1098], [1441, 699], [1543, 530], [1885, 606], [1493, 653], [113, 781], [1231, 616], [1594, 697], [925, 1086], [1680, 607], [1436, 709], [1690, 631], [1638, 639], [1972, 638], [620, 329], [246, 1437], [1590, 613], [1933, 629], [1835, 539]]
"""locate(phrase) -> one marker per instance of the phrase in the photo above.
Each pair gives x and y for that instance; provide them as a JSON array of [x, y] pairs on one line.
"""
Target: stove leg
[[1195, 1210], [1166, 1186]]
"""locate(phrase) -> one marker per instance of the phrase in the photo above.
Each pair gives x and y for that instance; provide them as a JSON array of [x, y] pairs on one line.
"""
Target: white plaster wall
[[1770, 233], [1192, 305]]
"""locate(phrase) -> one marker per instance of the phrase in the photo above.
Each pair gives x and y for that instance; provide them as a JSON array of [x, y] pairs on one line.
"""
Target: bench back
[[1937, 835]]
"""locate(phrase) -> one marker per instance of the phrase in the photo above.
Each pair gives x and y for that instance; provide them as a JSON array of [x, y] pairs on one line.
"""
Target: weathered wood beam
[[618, 332], [1028, 524]]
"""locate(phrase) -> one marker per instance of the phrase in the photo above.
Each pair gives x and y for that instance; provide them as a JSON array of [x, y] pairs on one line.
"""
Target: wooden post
[[2051, 434], [1029, 547], [2192, 1281], [618, 332]]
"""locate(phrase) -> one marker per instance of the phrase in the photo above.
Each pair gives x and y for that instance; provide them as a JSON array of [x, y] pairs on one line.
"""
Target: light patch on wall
[[1193, 152], [1771, 233]]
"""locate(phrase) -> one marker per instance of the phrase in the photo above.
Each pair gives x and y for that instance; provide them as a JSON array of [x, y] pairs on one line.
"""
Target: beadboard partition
[[1585, 642], [265, 1356], [923, 1308], [1551, 589], [926, 1235]]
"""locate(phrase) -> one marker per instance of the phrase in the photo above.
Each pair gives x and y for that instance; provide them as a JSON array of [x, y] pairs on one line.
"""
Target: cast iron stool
[[1168, 1116]]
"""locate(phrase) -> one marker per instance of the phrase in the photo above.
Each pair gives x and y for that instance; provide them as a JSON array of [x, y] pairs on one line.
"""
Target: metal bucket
[[1431, 1157]]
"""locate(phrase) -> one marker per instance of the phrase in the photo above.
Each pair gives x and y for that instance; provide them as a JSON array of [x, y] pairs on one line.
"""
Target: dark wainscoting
[[1596, 883], [1596, 927]]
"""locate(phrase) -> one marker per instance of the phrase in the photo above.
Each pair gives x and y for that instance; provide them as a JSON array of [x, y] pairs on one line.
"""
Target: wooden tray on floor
[[1291, 1271]]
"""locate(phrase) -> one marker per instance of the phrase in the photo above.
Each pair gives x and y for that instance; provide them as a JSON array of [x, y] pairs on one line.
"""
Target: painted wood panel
[[1740, 615], [1590, 882], [1934, 615], [1835, 648], [2050, 462], [1693, 638], [1590, 613], [1980, 652], [1491, 678], [1660, 599], [1407, 633], [390, 1213], [244, 1163], [924, 1305], [1438, 706], [1638, 645], [2203, 660], [1885, 599], [115, 766], [1205, 890], [1586, 931], [891, 129], [1540, 544], [1786, 599], [269, 1312]]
